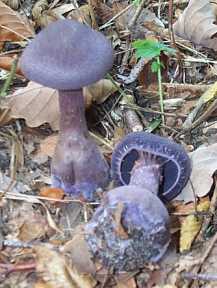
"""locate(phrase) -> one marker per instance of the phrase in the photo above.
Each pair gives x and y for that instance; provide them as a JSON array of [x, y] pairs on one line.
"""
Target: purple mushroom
[[158, 163], [131, 226], [67, 56]]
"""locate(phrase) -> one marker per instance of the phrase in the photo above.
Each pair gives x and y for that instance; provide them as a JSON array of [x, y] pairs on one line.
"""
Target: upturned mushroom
[[131, 226], [67, 56]]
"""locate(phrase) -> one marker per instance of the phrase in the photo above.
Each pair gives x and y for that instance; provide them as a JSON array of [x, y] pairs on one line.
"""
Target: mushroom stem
[[72, 113], [77, 167], [146, 173]]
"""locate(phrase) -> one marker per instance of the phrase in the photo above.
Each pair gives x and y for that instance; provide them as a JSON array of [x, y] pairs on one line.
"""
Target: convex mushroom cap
[[67, 55]]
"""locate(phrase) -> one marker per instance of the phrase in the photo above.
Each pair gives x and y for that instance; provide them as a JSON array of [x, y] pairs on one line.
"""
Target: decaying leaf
[[47, 146], [81, 14], [204, 164], [207, 97], [100, 91], [130, 283], [14, 4], [79, 252], [28, 224], [197, 23], [6, 63], [191, 227], [12, 25], [53, 269], [51, 192], [38, 104], [34, 225]]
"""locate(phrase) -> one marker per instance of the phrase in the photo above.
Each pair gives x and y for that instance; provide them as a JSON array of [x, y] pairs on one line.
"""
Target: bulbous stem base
[[77, 167]]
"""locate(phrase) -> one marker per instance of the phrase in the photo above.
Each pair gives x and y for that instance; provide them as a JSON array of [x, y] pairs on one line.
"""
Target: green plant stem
[[7, 83], [160, 90]]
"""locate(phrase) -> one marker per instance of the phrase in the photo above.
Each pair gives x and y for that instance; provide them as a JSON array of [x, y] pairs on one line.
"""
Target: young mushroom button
[[67, 56]]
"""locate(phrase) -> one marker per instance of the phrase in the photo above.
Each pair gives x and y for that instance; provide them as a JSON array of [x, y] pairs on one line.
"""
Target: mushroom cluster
[[67, 56], [131, 226]]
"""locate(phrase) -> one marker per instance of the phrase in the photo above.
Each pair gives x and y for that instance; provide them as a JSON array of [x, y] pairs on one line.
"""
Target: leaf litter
[[42, 218]]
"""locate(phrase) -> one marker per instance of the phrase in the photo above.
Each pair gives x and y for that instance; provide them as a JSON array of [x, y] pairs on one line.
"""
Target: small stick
[[199, 276]]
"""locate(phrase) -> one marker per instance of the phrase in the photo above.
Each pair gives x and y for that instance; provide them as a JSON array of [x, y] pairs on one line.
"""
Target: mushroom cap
[[67, 55], [174, 161], [128, 229]]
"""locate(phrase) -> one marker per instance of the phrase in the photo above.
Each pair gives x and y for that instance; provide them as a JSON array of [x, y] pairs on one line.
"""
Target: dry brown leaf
[[197, 23], [54, 270], [204, 164], [130, 283], [100, 91], [38, 104], [13, 27], [6, 62], [82, 14], [38, 8], [32, 225], [47, 146], [53, 193], [14, 4], [79, 252], [191, 227], [41, 284], [63, 9]]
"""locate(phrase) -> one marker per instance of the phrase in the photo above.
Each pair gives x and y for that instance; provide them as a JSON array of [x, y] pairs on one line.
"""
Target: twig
[[171, 32], [10, 268], [110, 22], [205, 256], [199, 276], [134, 73], [137, 13]]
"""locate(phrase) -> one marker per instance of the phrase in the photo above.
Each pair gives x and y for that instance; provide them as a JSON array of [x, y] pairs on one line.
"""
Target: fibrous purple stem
[[78, 166]]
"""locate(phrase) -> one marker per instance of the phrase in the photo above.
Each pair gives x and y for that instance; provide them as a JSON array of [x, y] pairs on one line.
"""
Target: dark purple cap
[[67, 55]]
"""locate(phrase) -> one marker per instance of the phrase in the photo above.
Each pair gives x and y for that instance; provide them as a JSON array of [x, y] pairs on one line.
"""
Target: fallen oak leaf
[[54, 270], [38, 104], [204, 165], [13, 27], [197, 23]]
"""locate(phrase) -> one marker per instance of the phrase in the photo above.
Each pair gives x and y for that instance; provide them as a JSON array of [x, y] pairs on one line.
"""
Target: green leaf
[[154, 66], [150, 48], [136, 2], [153, 125]]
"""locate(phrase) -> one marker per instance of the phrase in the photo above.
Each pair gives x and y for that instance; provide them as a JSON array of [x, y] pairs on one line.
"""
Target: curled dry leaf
[[204, 165], [38, 104], [197, 23], [14, 4], [53, 269], [81, 14], [100, 91], [13, 27]]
